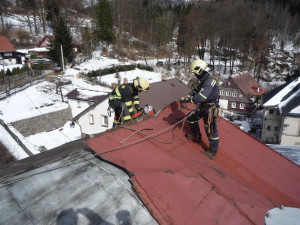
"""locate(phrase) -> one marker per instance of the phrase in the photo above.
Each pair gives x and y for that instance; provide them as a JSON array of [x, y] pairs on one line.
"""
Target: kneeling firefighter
[[205, 95], [122, 97]]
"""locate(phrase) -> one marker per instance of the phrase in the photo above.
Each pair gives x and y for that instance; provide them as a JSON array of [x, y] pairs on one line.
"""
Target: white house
[[281, 123], [89, 110]]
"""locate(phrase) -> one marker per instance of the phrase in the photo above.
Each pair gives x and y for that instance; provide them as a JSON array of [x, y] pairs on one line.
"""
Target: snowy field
[[41, 98]]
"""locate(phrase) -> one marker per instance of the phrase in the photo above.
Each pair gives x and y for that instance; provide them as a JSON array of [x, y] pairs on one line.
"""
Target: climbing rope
[[152, 136]]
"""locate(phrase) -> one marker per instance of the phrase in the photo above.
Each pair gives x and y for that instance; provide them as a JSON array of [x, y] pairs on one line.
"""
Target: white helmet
[[141, 84], [198, 66]]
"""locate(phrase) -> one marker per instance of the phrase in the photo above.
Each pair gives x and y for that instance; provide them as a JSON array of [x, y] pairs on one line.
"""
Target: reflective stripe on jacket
[[127, 94]]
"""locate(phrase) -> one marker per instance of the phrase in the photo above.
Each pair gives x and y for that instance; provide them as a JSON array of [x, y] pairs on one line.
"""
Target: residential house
[[46, 42], [154, 167], [89, 110], [8, 54], [239, 92], [281, 124]]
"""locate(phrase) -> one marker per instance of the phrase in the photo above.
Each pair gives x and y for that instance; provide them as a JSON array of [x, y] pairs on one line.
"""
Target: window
[[271, 111], [276, 128], [78, 104], [229, 83], [242, 106], [91, 119], [104, 121], [233, 105], [268, 128], [234, 94], [227, 93], [222, 92]]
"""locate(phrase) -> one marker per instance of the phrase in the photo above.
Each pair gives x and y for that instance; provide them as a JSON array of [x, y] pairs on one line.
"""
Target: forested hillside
[[247, 30]]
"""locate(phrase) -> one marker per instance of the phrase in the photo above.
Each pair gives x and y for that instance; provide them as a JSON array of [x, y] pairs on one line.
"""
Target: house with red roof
[[45, 43], [9, 54], [239, 92]]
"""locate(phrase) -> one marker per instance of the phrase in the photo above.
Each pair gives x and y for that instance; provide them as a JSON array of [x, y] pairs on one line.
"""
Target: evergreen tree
[[52, 11], [62, 37], [104, 20]]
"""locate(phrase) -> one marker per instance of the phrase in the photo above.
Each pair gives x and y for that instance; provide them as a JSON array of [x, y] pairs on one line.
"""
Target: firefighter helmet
[[198, 66], [141, 84]]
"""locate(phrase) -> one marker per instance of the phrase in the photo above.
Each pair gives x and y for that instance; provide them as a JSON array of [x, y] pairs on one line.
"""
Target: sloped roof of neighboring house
[[68, 185], [6, 45], [87, 95], [179, 185], [268, 95], [286, 98], [248, 85], [163, 93], [41, 42]]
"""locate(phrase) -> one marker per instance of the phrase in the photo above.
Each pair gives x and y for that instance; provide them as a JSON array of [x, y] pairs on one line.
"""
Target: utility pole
[[62, 58], [2, 57]]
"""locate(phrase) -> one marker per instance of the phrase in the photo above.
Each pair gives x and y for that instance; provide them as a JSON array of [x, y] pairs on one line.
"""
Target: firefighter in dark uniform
[[122, 97], [205, 95]]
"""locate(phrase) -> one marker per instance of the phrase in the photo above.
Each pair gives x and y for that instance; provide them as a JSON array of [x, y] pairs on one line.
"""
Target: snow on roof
[[296, 110], [283, 97], [86, 95]]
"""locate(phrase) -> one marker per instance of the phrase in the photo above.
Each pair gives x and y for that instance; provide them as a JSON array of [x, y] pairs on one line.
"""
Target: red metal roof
[[6, 45], [179, 185], [246, 83]]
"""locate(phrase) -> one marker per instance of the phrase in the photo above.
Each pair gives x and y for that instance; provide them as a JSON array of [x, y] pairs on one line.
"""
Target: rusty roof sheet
[[163, 93], [6, 45], [179, 185]]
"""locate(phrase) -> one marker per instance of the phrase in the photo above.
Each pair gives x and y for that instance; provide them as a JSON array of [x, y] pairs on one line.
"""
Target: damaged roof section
[[163, 93], [79, 189], [179, 185]]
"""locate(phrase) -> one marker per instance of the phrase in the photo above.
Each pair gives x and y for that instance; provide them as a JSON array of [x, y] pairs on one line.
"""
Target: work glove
[[186, 99]]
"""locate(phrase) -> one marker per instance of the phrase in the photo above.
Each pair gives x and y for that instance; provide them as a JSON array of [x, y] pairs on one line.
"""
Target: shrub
[[115, 69]]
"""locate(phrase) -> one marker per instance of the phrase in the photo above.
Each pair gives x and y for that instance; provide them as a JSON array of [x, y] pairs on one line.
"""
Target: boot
[[194, 137], [210, 154]]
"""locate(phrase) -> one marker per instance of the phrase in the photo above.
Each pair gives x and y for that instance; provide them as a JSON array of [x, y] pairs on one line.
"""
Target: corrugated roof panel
[[179, 185]]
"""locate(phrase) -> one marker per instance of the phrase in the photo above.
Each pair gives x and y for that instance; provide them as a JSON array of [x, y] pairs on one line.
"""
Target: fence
[[18, 80]]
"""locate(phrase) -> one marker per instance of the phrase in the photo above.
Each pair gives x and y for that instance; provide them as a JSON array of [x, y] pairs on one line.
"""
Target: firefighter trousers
[[121, 112], [210, 125]]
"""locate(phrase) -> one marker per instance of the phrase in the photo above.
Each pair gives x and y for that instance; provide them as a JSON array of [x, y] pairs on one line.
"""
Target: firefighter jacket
[[206, 91], [128, 94]]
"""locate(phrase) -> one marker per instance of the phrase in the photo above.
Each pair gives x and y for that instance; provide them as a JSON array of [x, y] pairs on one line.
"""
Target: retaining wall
[[43, 123]]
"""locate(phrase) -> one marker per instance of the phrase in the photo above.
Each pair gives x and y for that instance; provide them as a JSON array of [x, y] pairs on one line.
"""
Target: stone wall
[[43, 123]]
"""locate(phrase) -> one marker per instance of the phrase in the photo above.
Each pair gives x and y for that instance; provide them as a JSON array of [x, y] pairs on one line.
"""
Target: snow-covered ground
[[41, 98]]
